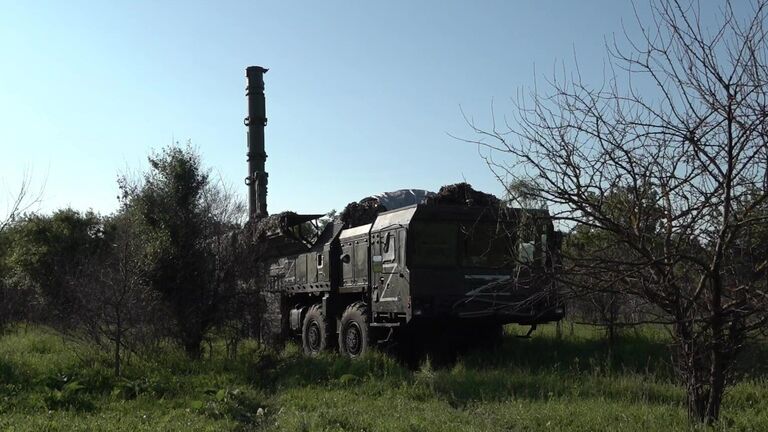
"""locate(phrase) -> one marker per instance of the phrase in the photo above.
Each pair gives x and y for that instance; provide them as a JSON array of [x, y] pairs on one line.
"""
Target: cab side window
[[389, 247]]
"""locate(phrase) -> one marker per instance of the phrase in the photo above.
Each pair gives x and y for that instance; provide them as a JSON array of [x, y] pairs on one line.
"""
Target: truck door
[[390, 287]]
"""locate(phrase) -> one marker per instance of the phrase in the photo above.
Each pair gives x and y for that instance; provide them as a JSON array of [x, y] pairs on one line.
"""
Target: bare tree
[[23, 200], [116, 308], [15, 297], [231, 265], [226, 207], [681, 128]]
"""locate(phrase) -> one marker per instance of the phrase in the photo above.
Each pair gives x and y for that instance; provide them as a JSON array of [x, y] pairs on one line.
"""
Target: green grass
[[542, 383]]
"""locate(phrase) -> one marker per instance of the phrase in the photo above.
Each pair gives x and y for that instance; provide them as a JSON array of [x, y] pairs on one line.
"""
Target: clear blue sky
[[361, 96]]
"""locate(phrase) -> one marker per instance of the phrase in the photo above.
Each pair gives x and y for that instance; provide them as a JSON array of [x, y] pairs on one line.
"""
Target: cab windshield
[[465, 244], [434, 244], [486, 245]]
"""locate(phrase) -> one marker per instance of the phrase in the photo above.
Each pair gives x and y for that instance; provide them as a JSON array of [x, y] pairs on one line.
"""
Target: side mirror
[[346, 258]]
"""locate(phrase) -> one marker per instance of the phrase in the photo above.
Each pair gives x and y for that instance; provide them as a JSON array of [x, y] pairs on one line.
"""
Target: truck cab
[[461, 263]]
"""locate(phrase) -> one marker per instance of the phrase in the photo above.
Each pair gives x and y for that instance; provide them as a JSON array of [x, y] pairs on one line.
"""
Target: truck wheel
[[353, 334], [315, 332]]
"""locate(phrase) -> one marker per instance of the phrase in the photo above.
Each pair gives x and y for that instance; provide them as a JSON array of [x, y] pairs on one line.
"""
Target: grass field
[[542, 383]]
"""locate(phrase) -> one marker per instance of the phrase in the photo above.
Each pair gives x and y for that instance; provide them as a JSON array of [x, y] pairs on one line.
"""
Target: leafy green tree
[[15, 297], [521, 193], [9, 296], [183, 214], [50, 251]]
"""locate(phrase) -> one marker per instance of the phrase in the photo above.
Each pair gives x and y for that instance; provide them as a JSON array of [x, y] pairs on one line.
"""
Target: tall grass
[[541, 383]]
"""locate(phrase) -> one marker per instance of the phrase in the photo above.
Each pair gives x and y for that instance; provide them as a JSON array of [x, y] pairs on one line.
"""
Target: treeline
[[608, 272], [166, 265]]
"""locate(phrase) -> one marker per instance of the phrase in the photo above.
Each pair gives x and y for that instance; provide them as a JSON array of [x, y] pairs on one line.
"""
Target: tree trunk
[[118, 341], [705, 395], [611, 340], [703, 367], [690, 368], [716, 389], [716, 372], [697, 400]]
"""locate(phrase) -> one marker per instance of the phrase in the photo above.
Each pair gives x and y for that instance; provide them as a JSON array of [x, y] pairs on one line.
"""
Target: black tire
[[315, 332], [354, 332]]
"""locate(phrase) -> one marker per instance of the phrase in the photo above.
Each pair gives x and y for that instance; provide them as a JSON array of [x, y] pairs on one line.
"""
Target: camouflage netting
[[251, 248], [274, 320], [463, 194], [365, 211], [270, 225], [361, 213], [264, 240]]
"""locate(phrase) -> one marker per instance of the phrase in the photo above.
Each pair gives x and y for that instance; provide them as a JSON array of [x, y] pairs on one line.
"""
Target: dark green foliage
[[16, 298], [171, 203], [68, 395], [748, 257], [260, 366], [86, 269], [241, 405], [50, 252]]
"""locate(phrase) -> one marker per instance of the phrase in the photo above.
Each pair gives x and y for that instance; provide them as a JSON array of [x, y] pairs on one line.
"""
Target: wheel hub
[[313, 336], [354, 339]]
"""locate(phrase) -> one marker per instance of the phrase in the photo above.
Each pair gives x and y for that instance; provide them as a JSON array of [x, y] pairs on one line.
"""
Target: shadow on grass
[[538, 368], [465, 387], [293, 369], [630, 354]]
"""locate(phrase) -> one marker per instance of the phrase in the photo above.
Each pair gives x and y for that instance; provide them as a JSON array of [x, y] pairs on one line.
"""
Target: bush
[[71, 395], [242, 405]]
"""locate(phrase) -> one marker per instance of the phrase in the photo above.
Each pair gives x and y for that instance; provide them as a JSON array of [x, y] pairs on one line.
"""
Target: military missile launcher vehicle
[[459, 260]]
